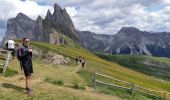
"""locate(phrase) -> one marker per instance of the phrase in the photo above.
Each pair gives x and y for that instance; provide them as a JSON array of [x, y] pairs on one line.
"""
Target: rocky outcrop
[[19, 27], [48, 57]]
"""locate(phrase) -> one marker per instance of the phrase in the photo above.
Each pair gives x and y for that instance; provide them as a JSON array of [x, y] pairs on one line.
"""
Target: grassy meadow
[[63, 82]]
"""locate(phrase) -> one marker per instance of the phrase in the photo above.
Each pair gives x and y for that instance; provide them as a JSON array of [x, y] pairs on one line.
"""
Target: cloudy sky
[[99, 16]]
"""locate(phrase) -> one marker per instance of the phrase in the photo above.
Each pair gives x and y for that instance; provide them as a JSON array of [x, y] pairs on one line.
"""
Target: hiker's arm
[[30, 52], [24, 54]]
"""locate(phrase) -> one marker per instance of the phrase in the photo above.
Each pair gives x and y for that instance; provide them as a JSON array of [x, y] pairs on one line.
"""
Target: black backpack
[[20, 52]]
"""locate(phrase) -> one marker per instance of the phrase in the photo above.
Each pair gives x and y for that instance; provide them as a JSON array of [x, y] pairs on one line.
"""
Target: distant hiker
[[11, 46], [24, 55], [83, 62], [77, 60]]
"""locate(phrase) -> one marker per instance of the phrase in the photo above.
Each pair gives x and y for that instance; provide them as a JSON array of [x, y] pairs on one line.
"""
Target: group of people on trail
[[82, 61], [24, 55]]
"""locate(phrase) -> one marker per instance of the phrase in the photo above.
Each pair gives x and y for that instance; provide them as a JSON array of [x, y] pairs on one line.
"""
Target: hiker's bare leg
[[28, 81], [28, 85]]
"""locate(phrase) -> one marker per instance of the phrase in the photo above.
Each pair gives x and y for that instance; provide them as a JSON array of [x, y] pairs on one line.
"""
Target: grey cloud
[[64, 3]]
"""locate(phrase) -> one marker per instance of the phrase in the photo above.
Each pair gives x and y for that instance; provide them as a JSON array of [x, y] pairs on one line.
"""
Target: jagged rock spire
[[39, 18], [56, 7], [48, 16]]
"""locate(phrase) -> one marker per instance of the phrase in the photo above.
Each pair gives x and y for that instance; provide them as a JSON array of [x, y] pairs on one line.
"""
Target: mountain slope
[[154, 66], [129, 40], [67, 73], [97, 64]]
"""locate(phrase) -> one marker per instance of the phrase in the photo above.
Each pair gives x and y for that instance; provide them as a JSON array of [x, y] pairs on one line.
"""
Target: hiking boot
[[26, 88], [28, 91]]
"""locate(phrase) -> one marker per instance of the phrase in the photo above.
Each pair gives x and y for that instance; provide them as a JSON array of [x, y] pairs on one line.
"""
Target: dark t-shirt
[[26, 60]]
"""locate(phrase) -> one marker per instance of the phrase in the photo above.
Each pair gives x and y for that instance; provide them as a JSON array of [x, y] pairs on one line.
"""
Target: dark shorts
[[28, 70], [83, 65], [12, 51]]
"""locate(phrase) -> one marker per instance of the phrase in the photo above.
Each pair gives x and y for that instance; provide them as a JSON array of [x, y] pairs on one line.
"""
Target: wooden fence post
[[94, 80], [132, 89], [6, 61]]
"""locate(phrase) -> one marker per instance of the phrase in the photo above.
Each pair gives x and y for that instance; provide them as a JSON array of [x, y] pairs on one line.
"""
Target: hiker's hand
[[29, 50]]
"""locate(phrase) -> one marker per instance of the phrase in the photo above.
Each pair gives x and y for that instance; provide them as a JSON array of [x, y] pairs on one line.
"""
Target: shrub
[[78, 86]]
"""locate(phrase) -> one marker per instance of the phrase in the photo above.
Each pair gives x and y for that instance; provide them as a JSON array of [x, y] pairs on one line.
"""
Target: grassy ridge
[[154, 66], [47, 77], [94, 63]]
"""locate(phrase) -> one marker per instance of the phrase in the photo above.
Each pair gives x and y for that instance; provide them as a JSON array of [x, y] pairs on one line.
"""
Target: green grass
[[96, 64], [77, 85], [153, 66], [67, 74], [124, 94], [55, 82], [9, 72]]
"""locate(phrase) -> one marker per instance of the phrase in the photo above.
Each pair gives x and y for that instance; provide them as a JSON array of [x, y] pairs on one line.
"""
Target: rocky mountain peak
[[55, 27], [48, 15], [128, 30], [39, 19], [22, 16], [57, 7]]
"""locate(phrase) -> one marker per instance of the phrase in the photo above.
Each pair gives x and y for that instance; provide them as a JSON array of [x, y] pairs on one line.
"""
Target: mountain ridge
[[130, 40]]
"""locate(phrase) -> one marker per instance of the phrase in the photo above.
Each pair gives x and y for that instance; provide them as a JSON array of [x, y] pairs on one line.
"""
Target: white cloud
[[10, 8], [109, 16], [166, 1], [72, 11]]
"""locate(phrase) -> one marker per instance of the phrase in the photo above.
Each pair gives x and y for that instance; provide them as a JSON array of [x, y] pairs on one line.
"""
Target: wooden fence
[[130, 86], [5, 55]]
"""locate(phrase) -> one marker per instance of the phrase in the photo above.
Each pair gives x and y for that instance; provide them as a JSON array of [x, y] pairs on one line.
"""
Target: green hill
[[63, 83], [153, 66]]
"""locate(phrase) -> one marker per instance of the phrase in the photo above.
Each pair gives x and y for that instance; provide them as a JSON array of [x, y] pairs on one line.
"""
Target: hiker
[[83, 62], [10, 45], [77, 60], [25, 58]]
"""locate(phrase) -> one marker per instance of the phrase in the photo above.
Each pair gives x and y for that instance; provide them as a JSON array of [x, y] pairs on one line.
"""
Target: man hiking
[[77, 60], [11, 47], [83, 62], [25, 58]]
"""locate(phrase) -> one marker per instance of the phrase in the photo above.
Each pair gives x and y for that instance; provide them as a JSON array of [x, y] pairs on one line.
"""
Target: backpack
[[20, 52], [6, 45]]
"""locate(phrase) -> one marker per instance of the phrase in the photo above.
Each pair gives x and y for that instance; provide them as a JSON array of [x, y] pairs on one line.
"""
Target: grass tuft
[[55, 82]]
